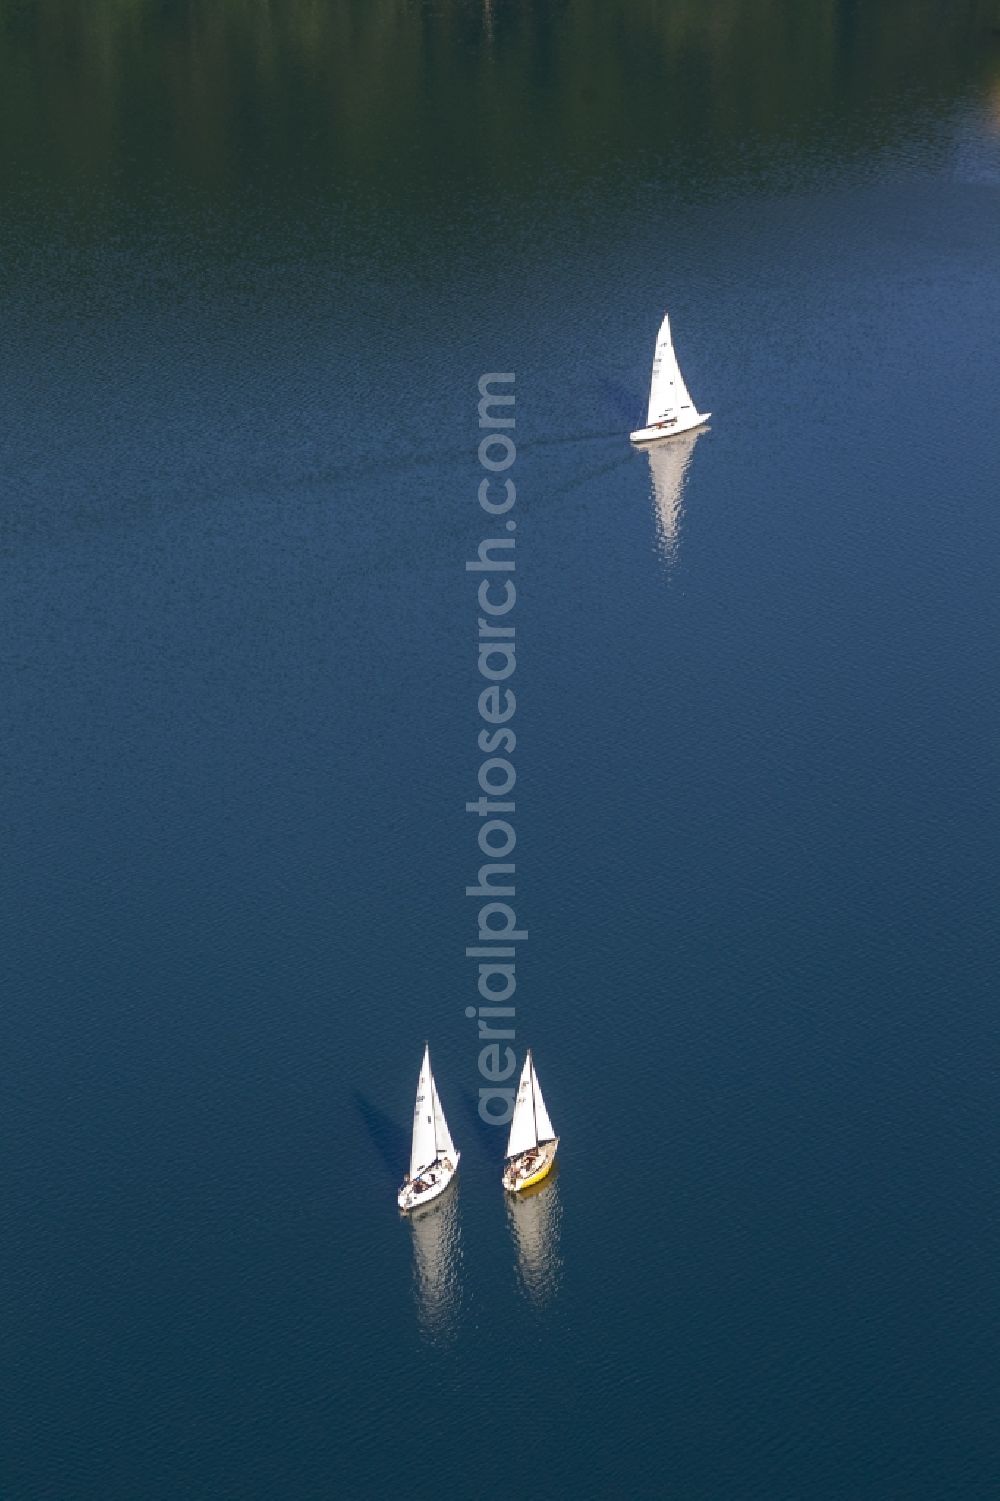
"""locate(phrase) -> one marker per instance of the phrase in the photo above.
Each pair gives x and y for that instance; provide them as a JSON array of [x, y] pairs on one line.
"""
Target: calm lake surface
[[254, 260]]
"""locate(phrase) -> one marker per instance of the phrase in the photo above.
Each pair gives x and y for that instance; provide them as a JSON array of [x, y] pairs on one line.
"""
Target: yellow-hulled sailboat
[[532, 1144]]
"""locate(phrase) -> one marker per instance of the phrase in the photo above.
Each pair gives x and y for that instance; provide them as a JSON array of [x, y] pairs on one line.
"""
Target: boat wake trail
[[592, 474], [611, 432]]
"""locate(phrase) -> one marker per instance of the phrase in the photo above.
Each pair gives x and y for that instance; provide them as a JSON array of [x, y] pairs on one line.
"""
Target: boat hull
[[436, 1178], [514, 1183], [653, 434]]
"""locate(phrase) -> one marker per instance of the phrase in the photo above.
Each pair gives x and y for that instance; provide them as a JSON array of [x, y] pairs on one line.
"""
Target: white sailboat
[[671, 409], [433, 1159], [532, 1144]]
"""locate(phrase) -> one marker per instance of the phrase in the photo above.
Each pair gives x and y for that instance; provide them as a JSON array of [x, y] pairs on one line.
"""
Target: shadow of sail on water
[[437, 1265], [669, 463], [534, 1218]]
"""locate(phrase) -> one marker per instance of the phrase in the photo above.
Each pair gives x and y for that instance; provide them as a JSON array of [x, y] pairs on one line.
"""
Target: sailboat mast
[[430, 1081], [534, 1113]]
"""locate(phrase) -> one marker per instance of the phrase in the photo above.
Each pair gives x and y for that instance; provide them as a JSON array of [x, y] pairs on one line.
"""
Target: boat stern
[[655, 433], [428, 1185], [513, 1182]]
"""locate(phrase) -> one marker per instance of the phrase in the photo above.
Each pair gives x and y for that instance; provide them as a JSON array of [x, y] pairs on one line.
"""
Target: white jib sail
[[445, 1145], [423, 1150], [543, 1126], [668, 395], [522, 1126]]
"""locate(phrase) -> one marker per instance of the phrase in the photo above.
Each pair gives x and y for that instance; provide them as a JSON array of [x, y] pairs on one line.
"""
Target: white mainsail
[[522, 1125], [543, 1126], [423, 1150], [668, 395], [530, 1122], [442, 1136]]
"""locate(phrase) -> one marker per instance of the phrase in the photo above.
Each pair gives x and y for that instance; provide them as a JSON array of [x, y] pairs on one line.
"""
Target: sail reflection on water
[[534, 1217], [437, 1264], [669, 462]]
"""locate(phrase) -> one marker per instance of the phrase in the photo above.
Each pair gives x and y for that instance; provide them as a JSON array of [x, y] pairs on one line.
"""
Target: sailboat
[[671, 409], [532, 1144], [433, 1159]]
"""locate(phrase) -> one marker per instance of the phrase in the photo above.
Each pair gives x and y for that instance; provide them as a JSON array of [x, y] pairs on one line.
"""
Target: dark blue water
[[254, 264]]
